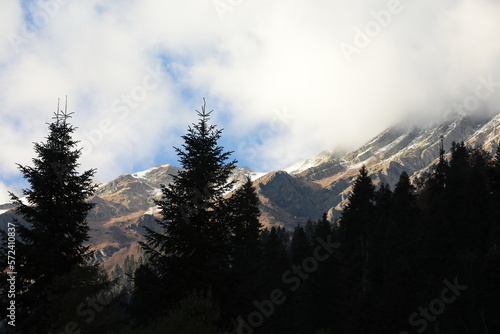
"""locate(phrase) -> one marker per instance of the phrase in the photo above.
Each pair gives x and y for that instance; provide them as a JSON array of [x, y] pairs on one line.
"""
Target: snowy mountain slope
[[401, 147], [411, 147]]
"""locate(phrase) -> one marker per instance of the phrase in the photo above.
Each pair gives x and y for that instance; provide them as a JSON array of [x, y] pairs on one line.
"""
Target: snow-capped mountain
[[322, 183], [410, 146]]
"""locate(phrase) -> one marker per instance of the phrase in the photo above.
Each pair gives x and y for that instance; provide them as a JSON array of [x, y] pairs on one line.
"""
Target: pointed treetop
[[60, 115], [203, 113]]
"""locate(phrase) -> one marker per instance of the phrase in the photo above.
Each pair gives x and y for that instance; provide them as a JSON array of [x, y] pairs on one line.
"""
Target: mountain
[[323, 183], [124, 206]]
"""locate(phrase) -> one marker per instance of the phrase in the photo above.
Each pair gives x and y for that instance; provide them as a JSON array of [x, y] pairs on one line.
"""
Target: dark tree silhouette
[[54, 275], [193, 249]]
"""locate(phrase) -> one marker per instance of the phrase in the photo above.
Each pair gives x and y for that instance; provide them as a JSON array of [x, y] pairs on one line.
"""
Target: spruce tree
[[242, 210], [355, 228], [489, 293], [383, 211], [192, 250], [323, 228], [299, 246], [356, 232], [54, 275], [324, 283], [398, 262]]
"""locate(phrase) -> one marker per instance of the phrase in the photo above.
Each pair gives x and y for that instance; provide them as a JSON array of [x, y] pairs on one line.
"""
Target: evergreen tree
[[148, 298], [242, 210], [275, 263], [54, 275], [398, 261], [323, 228], [310, 229], [355, 228], [324, 284], [383, 212], [457, 224], [356, 237], [494, 172], [489, 292], [299, 246], [302, 299], [192, 251], [434, 229]]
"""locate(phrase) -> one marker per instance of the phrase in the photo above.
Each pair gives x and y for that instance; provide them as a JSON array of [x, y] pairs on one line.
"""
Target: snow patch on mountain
[[301, 166], [142, 175], [392, 144], [256, 175]]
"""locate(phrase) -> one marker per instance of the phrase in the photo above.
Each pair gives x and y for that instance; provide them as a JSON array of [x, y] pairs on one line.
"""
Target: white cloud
[[263, 57]]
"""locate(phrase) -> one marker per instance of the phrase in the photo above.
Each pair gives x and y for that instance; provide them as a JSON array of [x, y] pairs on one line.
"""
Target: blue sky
[[286, 79]]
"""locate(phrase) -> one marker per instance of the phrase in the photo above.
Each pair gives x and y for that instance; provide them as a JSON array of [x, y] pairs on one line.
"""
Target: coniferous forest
[[419, 257]]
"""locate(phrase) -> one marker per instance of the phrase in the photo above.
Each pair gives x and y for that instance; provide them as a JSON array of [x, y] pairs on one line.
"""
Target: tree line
[[420, 258]]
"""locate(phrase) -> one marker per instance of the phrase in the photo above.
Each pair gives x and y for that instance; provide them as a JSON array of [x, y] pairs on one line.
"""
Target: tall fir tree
[[192, 250], [301, 299], [324, 283], [242, 210], [299, 246], [52, 253], [383, 211], [356, 227], [275, 263], [398, 261], [356, 232]]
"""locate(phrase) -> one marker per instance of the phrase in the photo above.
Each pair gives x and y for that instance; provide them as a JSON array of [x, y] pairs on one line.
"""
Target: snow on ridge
[[488, 126], [256, 175], [358, 165], [392, 144], [142, 174], [301, 166], [362, 153]]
